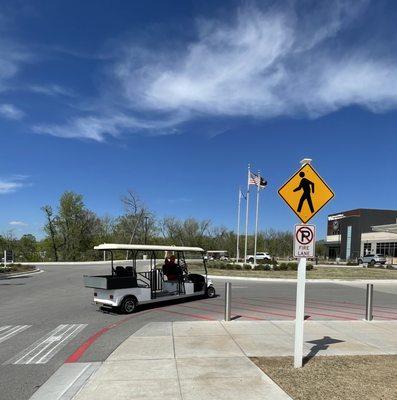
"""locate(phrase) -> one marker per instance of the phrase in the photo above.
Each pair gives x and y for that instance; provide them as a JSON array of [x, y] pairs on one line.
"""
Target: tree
[[50, 229], [137, 222], [76, 226], [27, 248], [189, 232]]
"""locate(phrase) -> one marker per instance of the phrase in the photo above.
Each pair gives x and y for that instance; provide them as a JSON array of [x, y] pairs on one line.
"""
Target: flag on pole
[[257, 180]]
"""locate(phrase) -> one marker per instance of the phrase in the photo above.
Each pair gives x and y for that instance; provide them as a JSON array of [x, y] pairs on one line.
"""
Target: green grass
[[316, 273]]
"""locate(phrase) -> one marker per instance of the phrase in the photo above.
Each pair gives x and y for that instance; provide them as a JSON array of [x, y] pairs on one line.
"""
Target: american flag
[[256, 180]]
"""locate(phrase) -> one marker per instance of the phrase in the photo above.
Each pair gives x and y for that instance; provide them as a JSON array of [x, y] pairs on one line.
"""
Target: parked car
[[259, 256], [372, 259]]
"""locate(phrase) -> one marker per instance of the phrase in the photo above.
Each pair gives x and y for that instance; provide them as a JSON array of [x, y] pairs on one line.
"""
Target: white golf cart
[[145, 281]]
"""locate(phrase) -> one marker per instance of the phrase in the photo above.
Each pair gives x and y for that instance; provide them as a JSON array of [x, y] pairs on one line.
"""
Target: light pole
[[146, 228]]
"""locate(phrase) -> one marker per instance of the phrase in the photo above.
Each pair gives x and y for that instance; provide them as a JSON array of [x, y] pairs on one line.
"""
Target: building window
[[367, 248], [387, 249]]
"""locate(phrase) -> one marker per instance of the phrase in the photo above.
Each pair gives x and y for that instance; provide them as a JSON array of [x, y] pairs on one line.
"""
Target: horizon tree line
[[72, 230]]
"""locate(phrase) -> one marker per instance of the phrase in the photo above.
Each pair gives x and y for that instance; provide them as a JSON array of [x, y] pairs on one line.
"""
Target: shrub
[[280, 267], [264, 267], [292, 266], [232, 266], [247, 266], [216, 264]]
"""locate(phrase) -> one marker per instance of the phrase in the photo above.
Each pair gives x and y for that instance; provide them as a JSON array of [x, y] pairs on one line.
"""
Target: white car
[[259, 256], [372, 259]]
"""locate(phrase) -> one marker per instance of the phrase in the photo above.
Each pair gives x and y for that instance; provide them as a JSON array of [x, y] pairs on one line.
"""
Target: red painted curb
[[76, 355]]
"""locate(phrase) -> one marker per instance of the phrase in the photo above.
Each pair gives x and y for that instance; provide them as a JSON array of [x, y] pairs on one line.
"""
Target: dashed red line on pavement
[[342, 303], [207, 309], [256, 309], [335, 308], [308, 308], [198, 316]]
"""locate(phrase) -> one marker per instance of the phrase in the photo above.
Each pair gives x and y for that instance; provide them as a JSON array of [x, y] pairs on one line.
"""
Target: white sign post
[[304, 239], [5, 259]]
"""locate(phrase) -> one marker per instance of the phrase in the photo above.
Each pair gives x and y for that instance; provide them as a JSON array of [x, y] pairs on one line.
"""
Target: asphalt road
[[49, 318]]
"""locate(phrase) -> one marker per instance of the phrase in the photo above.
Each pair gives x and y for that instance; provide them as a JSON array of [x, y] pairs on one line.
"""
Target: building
[[353, 233]]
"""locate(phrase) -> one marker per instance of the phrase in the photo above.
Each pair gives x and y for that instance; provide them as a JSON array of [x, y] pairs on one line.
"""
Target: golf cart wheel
[[128, 305], [211, 292], [360, 261], [251, 260], [372, 263]]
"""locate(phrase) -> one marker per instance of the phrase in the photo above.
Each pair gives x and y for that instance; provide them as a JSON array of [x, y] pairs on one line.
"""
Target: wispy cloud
[[51, 90], [12, 184], [96, 127], [261, 63], [9, 111], [12, 56], [17, 223]]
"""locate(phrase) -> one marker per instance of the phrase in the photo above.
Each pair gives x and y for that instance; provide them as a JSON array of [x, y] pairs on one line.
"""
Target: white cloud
[[97, 127], [18, 223], [51, 90], [13, 184], [12, 56], [260, 64], [9, 111]]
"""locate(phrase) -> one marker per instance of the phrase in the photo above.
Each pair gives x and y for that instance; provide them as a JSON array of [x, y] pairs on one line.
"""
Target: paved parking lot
[[49, 318]]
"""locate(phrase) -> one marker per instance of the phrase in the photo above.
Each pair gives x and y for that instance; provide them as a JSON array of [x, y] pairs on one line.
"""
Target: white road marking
[[45, 348], [8, 331]]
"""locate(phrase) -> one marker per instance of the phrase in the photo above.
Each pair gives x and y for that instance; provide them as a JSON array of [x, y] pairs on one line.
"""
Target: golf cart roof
[[145, 247]]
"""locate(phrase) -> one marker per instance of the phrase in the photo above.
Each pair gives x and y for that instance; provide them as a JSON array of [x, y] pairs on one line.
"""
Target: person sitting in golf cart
[[171, 269]]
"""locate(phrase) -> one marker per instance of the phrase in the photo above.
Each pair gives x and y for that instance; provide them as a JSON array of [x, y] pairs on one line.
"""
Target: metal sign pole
[[5, 259], [256, 217], [300, 313], [238, 226], [247, 214]]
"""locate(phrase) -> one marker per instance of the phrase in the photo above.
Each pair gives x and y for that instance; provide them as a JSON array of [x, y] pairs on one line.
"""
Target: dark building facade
[[345, 229]]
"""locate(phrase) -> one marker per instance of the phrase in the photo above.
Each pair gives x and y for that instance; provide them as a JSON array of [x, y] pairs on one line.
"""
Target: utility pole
[[146, 227], [247, 213], [238, 226]]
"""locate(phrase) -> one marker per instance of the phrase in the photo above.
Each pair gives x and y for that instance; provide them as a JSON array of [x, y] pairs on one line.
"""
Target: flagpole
[[257, 215], [238, 225], [246, 214]]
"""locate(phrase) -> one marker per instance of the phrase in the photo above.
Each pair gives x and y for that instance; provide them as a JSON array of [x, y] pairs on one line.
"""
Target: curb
[[18, 274], [66, 381], [289, 280]]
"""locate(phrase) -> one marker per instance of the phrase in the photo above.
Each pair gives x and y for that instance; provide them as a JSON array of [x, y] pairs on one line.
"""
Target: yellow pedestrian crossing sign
[[306, 193]]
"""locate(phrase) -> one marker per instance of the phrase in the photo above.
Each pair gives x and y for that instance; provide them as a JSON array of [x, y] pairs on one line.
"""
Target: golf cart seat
[[130, 271], [120, 271], [198, 281]]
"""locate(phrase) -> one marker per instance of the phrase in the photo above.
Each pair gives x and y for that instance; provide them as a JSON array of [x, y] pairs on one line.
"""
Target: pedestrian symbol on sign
[[306, 193], [307, 187]]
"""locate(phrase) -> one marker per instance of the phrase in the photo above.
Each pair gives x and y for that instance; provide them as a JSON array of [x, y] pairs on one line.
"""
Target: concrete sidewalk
[[209, 359]]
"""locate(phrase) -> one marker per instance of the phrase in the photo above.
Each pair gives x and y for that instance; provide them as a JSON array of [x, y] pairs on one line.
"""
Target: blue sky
[[174, 98]]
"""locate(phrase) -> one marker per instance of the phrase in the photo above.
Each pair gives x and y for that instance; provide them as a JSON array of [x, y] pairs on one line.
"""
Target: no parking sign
[[304, 240]]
